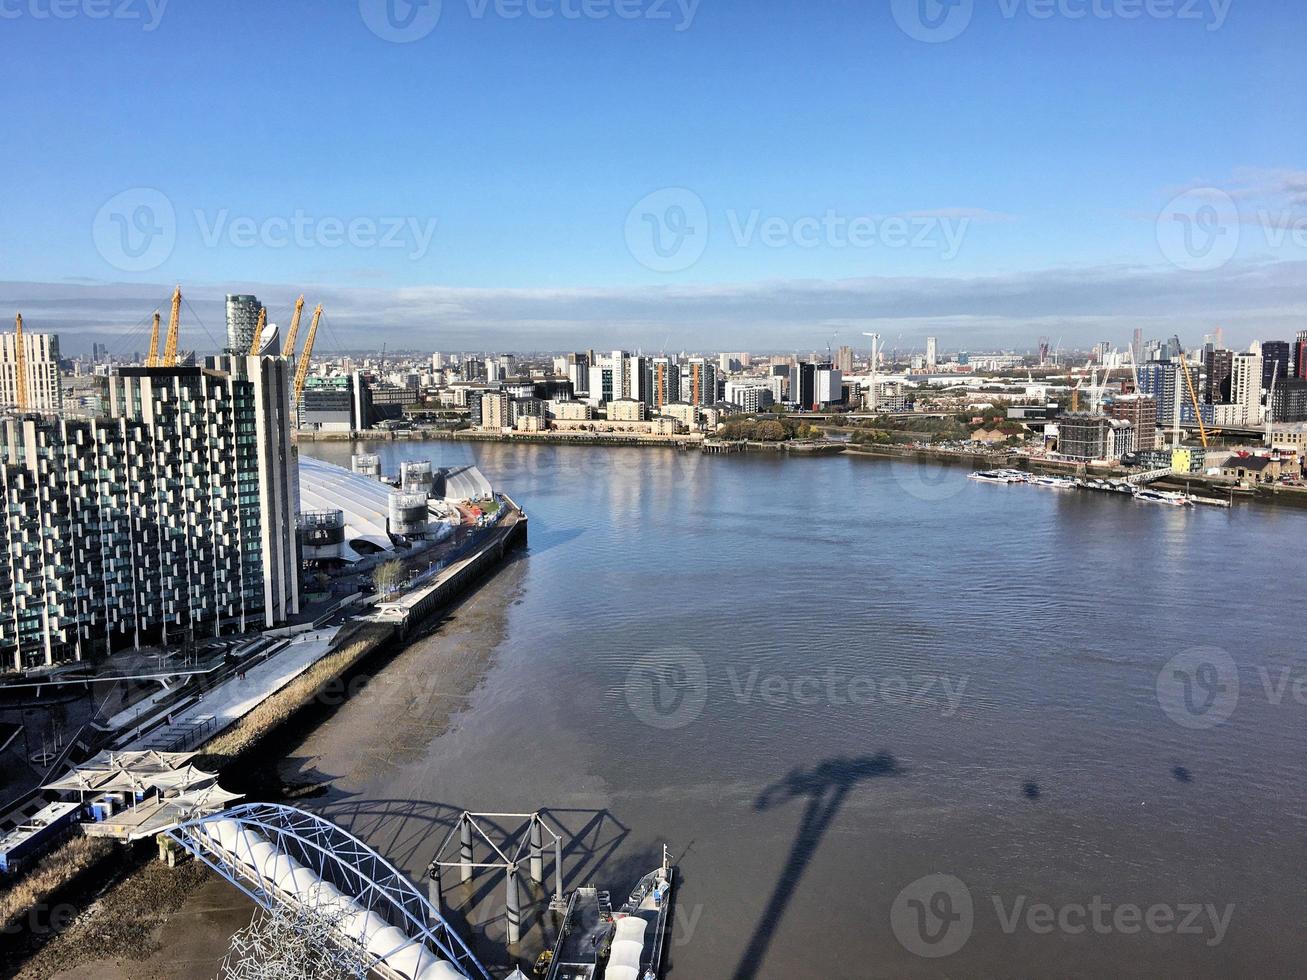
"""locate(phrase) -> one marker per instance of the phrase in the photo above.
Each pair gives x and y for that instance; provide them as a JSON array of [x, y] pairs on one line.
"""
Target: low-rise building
[[627, 410]]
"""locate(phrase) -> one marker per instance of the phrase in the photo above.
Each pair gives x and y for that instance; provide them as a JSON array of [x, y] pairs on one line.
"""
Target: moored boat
[[597, 943]]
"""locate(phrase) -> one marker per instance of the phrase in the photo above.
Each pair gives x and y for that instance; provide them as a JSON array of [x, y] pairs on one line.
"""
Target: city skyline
[[1098, 192]]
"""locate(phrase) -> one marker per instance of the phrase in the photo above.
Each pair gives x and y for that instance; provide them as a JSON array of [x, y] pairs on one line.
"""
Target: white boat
[[989, 476], [1054, 482], [1164, 497]]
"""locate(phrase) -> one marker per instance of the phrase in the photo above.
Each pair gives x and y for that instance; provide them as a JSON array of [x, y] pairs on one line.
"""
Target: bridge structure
[[286, 858]]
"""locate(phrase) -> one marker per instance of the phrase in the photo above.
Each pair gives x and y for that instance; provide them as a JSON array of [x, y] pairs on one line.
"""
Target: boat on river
[[600, 943]]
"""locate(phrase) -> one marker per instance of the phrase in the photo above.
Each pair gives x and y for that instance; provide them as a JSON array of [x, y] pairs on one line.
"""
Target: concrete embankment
[[81, 870]]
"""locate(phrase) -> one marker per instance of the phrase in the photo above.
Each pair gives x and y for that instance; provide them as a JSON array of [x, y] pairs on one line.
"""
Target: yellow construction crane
[[174, 323], [1193, 397], [289, 349], [20, 366], [153, 359], [302, 371], [258, 331]]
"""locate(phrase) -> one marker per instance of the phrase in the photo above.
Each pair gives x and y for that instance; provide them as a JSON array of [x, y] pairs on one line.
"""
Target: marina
[[1123, 487]]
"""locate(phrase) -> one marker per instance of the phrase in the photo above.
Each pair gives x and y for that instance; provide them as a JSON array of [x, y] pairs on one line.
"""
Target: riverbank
[[92, 886]]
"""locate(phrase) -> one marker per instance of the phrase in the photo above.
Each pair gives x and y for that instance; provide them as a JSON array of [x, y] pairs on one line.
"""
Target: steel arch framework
[[335, 856]]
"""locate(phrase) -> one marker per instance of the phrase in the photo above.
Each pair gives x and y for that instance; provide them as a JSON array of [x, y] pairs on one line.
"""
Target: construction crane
[[152, 360], [20, 363], [258, 331], [289, 349], [174, 324], [1193, 397], [302, 371]]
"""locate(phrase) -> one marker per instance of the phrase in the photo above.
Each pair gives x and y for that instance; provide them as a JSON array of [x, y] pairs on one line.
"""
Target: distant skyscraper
[[844, 360], [1300, 355], [932, 352], [242, 318]]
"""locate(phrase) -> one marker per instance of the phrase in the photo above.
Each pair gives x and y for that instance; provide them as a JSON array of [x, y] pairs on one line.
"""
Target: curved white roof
[[364, 500], [466, 483]]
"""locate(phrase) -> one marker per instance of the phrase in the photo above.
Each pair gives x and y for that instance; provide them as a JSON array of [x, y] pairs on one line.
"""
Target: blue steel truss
[[338, 857]]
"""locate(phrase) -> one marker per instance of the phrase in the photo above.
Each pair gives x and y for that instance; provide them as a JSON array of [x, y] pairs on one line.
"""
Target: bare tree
[[388, 576]]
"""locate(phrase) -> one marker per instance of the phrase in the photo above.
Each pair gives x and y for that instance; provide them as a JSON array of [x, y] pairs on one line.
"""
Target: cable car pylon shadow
[[825, 786]]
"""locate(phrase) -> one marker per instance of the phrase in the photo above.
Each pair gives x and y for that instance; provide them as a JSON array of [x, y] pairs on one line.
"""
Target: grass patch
[[51, 874]]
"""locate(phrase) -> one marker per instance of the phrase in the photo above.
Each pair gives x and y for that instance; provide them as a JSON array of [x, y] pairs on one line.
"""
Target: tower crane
[[152, 360], [20, 364], [1193, 397], [289, 349], [174, 324], [302, 371], [258, 331]]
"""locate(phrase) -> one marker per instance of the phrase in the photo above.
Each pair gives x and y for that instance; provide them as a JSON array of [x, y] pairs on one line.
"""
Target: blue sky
[[499, 159]]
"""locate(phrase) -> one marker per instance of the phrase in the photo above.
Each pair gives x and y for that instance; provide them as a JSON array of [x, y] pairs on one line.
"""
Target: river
[[891, 722]]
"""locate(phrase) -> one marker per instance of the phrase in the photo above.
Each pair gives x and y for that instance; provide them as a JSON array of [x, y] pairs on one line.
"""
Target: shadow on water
[[1030, 790], [409, 833], [825, 787]]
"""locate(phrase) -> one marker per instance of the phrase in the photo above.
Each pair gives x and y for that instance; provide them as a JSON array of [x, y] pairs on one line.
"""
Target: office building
[[1300, 355], [40, 371], [750, 396], [1277, 362], [242, 320], [1217, 365], [1289, 400], [171, 517]]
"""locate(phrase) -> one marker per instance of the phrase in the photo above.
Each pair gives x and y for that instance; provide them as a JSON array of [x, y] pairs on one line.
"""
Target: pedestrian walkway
[[219, 708]]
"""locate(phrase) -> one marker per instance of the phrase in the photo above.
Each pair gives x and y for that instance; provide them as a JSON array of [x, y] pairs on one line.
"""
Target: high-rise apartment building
[[844, 360], [699, 381], [41, 371], [171, 517], [1246, 385], [1277, 362], [1300, 355], [242, 319], [932, 352], [1141, 412], [1217, 365], [665, 382]]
